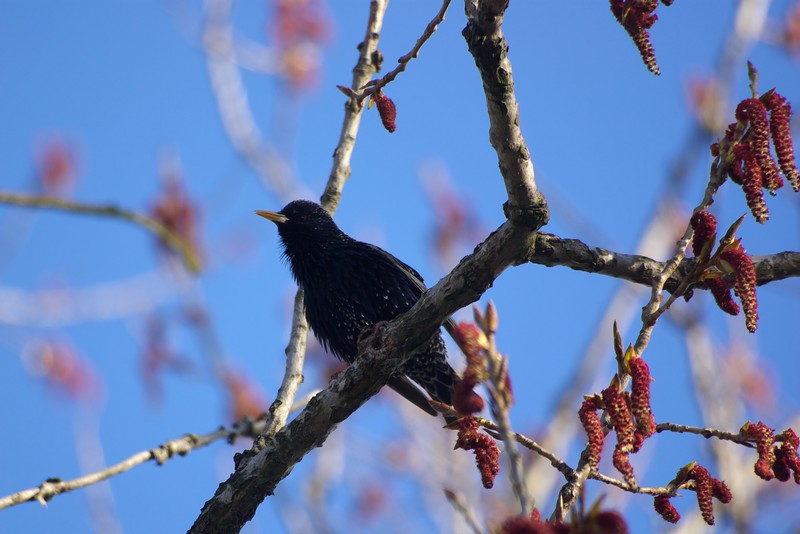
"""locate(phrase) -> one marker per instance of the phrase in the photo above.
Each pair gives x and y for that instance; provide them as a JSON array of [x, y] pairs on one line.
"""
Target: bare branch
[[234, 109], [621, 484], [169, 237], [707, 433], [551, 251], [292, 376], [461, 506], [180, 446], [530, 444], [369, 62], [375, 87], [489, 48]]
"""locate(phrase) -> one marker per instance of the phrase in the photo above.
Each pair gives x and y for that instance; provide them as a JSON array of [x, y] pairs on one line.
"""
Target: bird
[[349, 286]]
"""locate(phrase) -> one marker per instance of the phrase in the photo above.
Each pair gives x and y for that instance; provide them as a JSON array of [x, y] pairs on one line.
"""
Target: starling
[[349, 286]]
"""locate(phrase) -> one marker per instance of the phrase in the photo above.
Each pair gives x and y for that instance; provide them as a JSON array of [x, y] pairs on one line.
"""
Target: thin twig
[[292, 377], [530, 444], [707, 433], [169, 237], [375, 87], [500, 406], [180, 446], [621, 484]]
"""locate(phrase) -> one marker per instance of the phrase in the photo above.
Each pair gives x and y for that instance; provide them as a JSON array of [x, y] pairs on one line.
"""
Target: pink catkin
[[744, 284], [780, 113], [752, 111], [387, 110], [594, 430], [704, 225], [752, 181]]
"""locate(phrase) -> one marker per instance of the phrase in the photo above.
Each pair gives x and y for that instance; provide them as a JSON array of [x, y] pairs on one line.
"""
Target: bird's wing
[[416, 278], [410, 273]]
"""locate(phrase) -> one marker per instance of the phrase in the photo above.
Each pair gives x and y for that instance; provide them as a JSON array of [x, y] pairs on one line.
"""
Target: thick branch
[[489, 48], [258, 475], [369, 62]]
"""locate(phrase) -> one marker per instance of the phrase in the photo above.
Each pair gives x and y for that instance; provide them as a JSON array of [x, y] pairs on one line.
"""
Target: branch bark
[[554, 251], [489, 48]]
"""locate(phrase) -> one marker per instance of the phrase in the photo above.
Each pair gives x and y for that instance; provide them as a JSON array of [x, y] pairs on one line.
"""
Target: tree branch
[[551, 250], [489, 48], [180, 446], [169, 237], [374, 87], [292, 376], [369, 62]]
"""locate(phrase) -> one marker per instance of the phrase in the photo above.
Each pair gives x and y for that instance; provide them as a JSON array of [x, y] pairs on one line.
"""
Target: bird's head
[[304, 226]]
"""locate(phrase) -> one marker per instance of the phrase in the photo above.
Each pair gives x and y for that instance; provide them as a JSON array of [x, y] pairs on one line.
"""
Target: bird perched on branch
[[349, 286]]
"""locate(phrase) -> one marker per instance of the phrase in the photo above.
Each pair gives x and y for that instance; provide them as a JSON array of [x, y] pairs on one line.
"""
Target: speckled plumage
[[350, 285]]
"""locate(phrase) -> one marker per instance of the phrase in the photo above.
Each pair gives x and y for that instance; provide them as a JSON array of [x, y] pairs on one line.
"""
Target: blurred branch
[[64, 305], [489, 48], [172, 239], [464, 509], [234, 109], [180, 446]]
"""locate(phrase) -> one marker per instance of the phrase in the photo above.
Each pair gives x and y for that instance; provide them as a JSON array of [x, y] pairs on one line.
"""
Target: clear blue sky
[[126, 82]]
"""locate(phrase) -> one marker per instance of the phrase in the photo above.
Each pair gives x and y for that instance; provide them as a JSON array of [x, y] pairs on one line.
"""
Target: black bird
[[349, 286]]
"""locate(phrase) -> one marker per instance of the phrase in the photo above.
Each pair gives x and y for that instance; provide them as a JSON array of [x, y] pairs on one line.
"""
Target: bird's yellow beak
[[273, 216]]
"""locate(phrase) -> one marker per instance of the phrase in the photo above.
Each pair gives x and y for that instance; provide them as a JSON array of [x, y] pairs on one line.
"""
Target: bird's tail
[[434, 375], [410, 392]]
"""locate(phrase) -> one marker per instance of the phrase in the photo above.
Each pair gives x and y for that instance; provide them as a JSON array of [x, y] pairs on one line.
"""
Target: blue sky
[[126, 82]]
